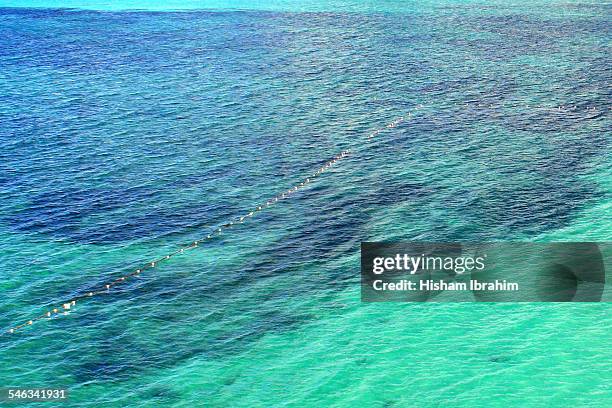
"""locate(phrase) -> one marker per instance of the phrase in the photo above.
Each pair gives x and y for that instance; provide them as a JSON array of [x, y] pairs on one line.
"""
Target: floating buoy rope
[[106, 288]]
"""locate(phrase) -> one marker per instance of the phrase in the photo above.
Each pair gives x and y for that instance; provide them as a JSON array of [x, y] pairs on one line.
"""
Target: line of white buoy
[[105, 288]]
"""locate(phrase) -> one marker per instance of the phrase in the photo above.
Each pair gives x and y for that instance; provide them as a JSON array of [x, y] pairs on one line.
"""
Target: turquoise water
[[126, 134]]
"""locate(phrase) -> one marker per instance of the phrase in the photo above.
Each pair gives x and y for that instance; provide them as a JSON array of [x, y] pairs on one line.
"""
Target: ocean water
[[128, 133]]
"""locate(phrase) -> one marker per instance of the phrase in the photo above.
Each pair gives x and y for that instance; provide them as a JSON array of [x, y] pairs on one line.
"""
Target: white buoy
[[66, 306]]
